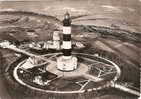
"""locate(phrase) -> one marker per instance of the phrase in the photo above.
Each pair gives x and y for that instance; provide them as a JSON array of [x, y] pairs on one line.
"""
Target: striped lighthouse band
[[66, 37], [66, 29], [66, 52], [67, 44]]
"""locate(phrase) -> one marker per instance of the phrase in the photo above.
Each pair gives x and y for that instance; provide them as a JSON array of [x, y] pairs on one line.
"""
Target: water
[[125, 14]]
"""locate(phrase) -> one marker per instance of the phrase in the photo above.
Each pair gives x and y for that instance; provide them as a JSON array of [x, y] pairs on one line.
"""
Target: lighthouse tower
[[67, 62]]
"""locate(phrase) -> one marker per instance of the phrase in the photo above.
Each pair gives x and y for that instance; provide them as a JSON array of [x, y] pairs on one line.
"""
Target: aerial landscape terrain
[[105, 34]]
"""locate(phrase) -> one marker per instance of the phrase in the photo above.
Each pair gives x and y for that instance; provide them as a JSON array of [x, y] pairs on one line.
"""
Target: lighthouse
[[67, 62]]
